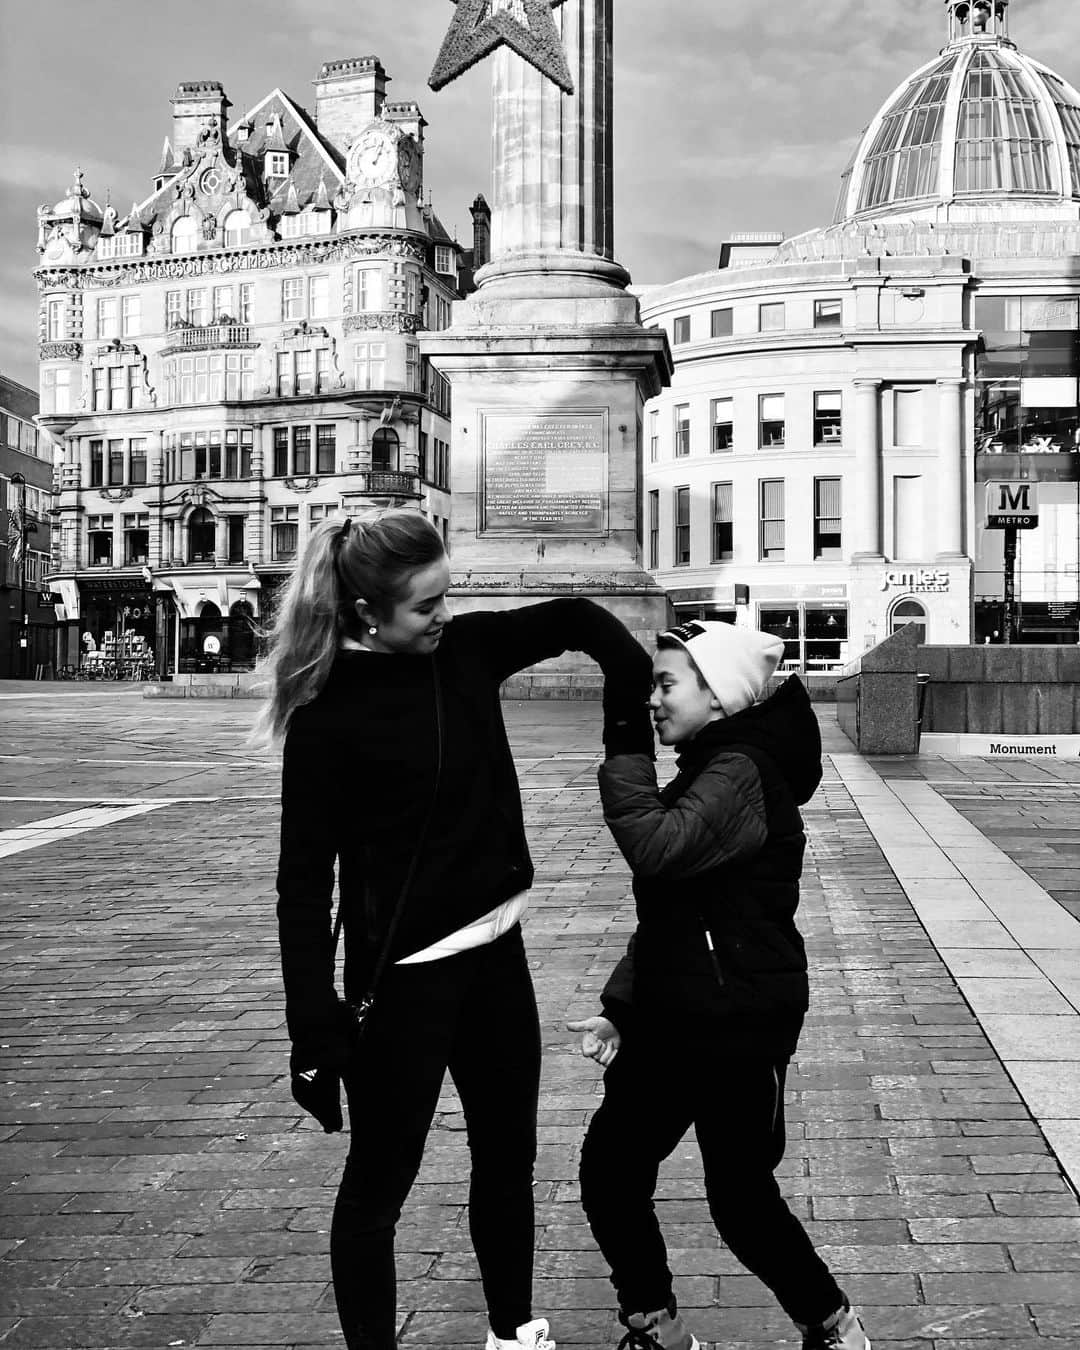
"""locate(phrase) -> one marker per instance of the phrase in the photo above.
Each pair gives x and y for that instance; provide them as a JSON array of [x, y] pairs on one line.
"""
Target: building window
[[57, 390], [828, 313], [827, 519], [682, 429], [826, 637], [281, 452], [322, 370], [302, 450], [828, 419], [367, 290], [908, 417], [137, 462], [131, 315], [185, 234], [324, 511], [723, 522], [223, 303], [54, 320], [108, 317], [723, 323], [786, 624], [137, 539], [100, 535], [97, 463], [319, 297], [284, 529], [305, 373], [723, 433], [213, 377], [385, 447], [237, 549], [292, 298], [771, 518], [325, 449], [277, 164], [681, 330], [117, 388], [202, 534], [771, 423], [772, 318], [682, 527], [654, 530], [369, 365], [654, 436], [246, 309], [237, 229], [238, 446], [286, 380], [115, 463], [197, 313], [174, 309], [412, 367], [444, 260]]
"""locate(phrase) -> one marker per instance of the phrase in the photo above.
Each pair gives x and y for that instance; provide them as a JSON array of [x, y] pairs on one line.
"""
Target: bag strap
[[410, 875]]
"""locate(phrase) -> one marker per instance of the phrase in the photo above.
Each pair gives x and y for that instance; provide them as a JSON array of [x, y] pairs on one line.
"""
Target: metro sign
[[1012, 506]]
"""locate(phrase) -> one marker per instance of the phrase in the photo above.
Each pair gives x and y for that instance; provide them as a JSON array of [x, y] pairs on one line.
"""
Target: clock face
[[409, 164], [373, 159]]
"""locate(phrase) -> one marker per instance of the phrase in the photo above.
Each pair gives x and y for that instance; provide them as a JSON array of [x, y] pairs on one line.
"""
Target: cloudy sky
[[730, 114]]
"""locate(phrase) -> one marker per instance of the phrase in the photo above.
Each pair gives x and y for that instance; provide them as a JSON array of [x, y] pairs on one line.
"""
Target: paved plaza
[[160, 1188]]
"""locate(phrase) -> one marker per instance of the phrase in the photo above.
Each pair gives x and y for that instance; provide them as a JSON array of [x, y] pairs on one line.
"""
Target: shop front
[[116, 628], [886, 597], [811, 620], [211, 623]]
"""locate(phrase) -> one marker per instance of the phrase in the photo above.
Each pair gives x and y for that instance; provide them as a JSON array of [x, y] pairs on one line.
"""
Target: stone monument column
[[867, 470], [950, 479], [548, 362]]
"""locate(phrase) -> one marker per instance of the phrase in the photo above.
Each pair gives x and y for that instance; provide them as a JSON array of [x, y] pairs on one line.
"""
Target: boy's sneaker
[[533, 1335], [842, 1331], [646, 1331]]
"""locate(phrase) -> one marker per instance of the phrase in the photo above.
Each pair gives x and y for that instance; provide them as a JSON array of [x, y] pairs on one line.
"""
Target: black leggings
[[652, 1095], [474, 1014]]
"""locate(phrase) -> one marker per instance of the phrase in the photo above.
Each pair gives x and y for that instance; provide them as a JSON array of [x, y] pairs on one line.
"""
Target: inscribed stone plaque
[[544, 473]]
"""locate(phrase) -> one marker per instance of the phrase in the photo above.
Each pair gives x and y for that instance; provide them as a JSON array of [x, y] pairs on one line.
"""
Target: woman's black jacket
[[358, 779], [716, 857]]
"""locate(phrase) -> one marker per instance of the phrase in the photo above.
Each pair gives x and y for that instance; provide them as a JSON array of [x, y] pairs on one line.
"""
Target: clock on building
[[408, 164], [373, 159]]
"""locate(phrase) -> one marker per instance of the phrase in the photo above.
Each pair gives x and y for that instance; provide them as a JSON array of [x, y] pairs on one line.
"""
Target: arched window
[[201, 536], [906, 612], [185, 234], [237, 228], [385, 447]]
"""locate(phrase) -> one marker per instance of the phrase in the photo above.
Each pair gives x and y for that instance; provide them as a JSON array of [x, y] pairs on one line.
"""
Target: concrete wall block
[[1019, 709], [1069, 664], [1055, 710], [967, 664], [934, 661], [1039, 665], [887, 714], [983, 706], [1002, 664], [946, 708]]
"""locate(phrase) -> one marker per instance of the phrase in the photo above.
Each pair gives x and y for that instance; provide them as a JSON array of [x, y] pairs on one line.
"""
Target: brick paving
[[159, 1188]]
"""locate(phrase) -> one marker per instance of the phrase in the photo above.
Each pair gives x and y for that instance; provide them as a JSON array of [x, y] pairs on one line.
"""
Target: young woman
[[397, 768]]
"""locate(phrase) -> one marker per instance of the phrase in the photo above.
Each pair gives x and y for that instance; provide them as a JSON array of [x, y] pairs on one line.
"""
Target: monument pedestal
[[550, 369]]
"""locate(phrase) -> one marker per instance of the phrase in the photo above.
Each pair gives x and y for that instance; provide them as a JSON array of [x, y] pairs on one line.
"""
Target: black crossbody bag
[[359, 1013]]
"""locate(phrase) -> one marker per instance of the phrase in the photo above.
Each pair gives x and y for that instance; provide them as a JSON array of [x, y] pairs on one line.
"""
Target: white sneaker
[[534, 1335]]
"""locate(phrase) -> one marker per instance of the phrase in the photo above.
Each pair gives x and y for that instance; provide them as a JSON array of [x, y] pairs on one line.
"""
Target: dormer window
[[277, 164], [444, 260]]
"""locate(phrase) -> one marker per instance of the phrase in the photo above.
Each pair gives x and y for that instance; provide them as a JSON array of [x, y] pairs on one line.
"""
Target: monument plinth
[[548, 362]]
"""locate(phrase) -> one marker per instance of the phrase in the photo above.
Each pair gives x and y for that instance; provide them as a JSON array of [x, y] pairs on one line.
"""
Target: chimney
[[481, 220], [348, 95], [194, 104]]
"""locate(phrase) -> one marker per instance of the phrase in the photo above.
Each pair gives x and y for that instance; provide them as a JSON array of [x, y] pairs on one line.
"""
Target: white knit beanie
[[735, 663]]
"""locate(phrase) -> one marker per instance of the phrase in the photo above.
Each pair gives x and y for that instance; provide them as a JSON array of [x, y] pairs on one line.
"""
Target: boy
[[704, 1012]]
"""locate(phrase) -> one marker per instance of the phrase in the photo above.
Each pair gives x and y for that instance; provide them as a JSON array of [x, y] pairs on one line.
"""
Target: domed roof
[[981, 122], [78, 202]]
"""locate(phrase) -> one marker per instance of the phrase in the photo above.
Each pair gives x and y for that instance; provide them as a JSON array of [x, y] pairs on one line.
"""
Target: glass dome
[[981, 121]]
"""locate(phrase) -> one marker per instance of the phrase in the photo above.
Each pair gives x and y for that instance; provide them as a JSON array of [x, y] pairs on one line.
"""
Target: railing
[[183, 338], [390, 482]]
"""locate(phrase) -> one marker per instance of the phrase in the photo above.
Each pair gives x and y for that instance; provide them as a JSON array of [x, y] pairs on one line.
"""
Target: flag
[[15, 536]]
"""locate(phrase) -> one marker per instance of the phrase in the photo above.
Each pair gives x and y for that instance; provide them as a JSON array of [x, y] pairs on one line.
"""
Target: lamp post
[[24, 618]]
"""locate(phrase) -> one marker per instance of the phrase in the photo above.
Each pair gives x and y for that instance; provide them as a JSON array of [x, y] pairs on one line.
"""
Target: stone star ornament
[[525, 26]]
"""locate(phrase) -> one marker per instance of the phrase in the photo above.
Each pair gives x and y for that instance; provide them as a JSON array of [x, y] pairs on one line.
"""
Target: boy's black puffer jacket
[[718, 855]]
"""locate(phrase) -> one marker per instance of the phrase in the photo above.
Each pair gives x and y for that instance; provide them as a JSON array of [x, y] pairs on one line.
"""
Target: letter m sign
[[1012, 506]]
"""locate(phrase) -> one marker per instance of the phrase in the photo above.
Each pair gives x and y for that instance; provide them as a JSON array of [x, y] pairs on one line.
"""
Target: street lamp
[[24, 627]]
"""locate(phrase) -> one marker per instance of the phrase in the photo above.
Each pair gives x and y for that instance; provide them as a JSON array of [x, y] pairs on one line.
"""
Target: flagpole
[[24, 628]]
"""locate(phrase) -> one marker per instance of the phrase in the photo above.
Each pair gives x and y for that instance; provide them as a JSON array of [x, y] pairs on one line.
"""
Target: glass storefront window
[[826, 636], [786, 624]]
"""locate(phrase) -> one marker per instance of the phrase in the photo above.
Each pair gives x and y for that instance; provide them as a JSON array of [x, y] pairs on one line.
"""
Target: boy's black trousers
[[653, 1092]]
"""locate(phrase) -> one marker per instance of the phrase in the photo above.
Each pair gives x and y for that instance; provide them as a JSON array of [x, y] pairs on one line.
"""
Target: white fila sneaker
[[533, 1336]]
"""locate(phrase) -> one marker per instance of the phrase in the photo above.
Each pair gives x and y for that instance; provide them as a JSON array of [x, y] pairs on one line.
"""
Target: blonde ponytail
[[371, 558]]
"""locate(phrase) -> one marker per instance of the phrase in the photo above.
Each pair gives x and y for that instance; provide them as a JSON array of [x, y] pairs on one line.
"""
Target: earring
[[372, 630]]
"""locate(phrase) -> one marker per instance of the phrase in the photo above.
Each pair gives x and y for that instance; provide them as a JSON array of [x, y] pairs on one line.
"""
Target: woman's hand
[[600, 1039]]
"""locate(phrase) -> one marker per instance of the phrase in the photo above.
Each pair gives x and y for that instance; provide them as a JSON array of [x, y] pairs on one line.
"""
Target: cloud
[[49, 171]]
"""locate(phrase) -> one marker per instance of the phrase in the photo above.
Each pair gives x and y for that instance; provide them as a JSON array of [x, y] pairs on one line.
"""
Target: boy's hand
[[600, 1039]]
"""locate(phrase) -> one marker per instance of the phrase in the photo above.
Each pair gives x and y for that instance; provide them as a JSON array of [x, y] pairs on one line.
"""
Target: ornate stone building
[[236, 358], [842, 399]]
